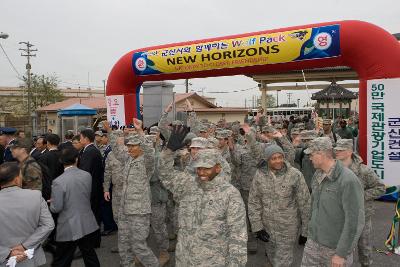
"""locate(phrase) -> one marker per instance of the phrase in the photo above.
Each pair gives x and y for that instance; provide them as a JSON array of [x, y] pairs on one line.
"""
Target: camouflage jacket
[[212, 219], [136, 195], [245, 164], [158, 192], [113, 173], [257, 148], [31, 174], [279, 202], [373, 187]]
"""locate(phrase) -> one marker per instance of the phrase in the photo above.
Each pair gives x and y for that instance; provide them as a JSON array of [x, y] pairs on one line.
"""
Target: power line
[[12, 65], [228, 92]]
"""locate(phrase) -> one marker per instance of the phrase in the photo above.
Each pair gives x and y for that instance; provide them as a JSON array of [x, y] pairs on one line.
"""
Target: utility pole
[[289, 95], [104, 87], [277, 98], [187, 85], [28, 50]]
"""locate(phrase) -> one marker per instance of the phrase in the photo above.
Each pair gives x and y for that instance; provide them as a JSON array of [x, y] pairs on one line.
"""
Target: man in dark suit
[[51, 160], [68, 140], [25, 219], [40, 148], [76, 224], [50, 163], [90, 160]]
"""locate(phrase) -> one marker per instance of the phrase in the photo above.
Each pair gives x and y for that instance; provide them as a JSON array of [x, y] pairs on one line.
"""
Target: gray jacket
[[25, 219], [71, 200]]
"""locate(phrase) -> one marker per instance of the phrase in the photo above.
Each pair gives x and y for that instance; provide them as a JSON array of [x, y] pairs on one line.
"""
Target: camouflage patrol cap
[[203, 128], [22, 143], [278, 126], [308, 135], [177, 123], [319, 144], [199, 142], [154, 130], [229, 133], [189, 137], [326, 122], [268, 129], [295, 131], [212, 142], [344, 144], [206, 158], [222, 134], [134, 140]]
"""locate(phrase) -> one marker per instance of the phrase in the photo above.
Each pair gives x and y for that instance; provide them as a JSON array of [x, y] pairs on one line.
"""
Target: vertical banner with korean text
[[116, 110], [383, 129]]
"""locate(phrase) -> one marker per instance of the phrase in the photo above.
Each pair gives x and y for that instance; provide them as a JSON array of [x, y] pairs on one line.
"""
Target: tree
[[271, 101], [43, 91]]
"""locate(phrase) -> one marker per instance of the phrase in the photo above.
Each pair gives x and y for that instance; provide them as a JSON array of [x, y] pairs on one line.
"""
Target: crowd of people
[[215, 188]]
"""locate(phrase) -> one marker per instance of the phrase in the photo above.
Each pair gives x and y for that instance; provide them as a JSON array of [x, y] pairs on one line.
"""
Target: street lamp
[[3, 35]]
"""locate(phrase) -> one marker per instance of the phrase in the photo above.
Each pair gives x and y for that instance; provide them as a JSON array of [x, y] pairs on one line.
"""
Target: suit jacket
[[51, 160], [71, 200], [25, 219], [2, 149], [90, 160]]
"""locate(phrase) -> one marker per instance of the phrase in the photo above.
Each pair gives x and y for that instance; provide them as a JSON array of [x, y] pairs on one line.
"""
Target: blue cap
[[7, 130]]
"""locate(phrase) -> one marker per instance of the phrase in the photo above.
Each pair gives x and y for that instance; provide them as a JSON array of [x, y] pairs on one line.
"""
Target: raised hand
[[178, 134]]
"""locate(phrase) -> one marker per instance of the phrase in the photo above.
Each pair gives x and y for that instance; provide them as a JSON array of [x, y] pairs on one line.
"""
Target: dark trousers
[[65, 252]]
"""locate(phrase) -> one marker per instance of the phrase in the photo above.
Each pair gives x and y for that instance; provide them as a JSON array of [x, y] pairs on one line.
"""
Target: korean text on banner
[[383, 129], [116, 110]]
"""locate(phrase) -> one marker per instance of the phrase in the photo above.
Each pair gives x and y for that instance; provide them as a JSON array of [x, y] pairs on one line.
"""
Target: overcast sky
[[80, 40]]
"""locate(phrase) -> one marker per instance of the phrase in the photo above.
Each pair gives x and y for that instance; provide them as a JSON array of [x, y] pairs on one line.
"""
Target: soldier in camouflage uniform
[[274, 137], [30, 169], [373, 189], [199, 143], [328, 132], [246, 165], [212, 218], [302, 159], [279, 204], [223, 139], [113, 173], [135, 209], [159, 198]]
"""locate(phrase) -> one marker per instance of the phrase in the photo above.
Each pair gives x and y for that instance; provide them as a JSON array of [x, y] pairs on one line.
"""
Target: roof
[[100, 102], [334, 91], [77, 110], [182, 97], [93, 102]]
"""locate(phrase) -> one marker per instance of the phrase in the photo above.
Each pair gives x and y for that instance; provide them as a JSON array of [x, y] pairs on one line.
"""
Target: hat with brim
[[134, 140], [319, 144], [199, 142], [207, 158], [344, 144]]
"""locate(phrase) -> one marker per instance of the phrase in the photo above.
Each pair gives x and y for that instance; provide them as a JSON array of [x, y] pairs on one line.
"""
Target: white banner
[[383, 129], [116, 110]]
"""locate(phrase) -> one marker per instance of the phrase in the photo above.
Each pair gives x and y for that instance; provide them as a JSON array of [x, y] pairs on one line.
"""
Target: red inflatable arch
[[368, 49]]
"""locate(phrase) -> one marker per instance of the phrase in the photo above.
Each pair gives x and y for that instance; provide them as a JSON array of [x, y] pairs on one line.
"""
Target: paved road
[[381, 224]]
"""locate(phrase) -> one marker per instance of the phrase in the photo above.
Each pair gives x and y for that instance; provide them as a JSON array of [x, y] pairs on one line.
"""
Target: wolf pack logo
[[140, 64], [298, 35], [322, 41]]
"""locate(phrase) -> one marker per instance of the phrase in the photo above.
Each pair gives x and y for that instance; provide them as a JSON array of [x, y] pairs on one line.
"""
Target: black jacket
[[54, 168], [90, 160]]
